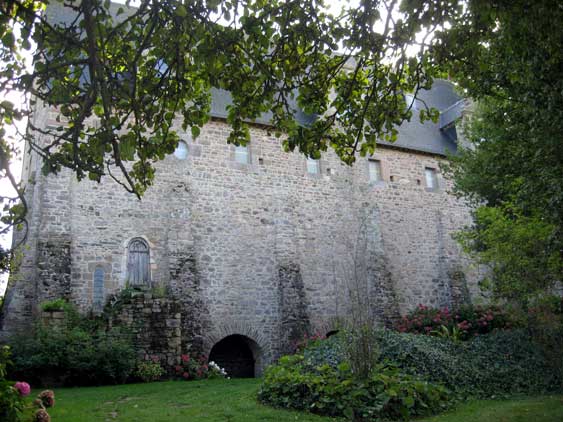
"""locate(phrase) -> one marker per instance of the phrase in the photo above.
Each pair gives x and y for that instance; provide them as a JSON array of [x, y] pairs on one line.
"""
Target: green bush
[[502, 362], [77, 351], [55, 305], [387, 393], [149, 371]]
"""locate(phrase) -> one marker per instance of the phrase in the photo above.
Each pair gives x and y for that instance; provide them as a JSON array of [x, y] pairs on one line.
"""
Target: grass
[[235, 401], [518, 409], [211, 400]]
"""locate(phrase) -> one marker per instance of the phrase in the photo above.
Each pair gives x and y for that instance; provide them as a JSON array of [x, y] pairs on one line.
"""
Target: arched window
[[138, 261], [98, 290]]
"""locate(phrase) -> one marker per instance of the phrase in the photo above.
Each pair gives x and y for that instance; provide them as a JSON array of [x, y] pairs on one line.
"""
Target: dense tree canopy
[[120, 75], [513, 172]]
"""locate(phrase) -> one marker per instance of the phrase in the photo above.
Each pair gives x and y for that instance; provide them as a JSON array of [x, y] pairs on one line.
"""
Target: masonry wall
[[265, 250]]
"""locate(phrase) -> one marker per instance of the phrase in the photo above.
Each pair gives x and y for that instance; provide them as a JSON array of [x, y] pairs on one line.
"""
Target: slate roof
[[427, 136], [413, 135]]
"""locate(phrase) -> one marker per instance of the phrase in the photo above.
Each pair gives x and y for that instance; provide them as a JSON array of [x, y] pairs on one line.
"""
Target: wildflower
[[23, 388], [186, 375], [178, 368], [185, 358]]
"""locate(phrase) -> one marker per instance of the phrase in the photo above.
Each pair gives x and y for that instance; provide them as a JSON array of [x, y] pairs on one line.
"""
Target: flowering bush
[[462, 323], [149, 370], [11, 394], [191, 367]]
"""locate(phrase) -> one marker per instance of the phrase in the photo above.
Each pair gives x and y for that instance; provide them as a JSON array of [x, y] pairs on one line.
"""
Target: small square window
[[431, 178], [374, 168], [313, 166], [241, 154]]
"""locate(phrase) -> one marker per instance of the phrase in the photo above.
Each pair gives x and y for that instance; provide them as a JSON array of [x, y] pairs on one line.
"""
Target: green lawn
[[211, 400], [235, 400], [523, 409]]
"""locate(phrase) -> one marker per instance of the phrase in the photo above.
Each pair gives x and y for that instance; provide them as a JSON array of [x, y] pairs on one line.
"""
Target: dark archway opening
[[234, 354]]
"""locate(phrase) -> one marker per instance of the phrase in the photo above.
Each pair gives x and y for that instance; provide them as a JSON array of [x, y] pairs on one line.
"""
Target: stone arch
[[255, 340], [237, 354]]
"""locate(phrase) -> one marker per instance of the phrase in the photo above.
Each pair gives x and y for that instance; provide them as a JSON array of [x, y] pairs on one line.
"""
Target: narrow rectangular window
[[431, 179], [313, 166], [98, 290], [374, 167], [241, 154]]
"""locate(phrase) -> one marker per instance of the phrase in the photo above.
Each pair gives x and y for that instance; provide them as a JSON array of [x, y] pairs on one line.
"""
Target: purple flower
[[23, 388]]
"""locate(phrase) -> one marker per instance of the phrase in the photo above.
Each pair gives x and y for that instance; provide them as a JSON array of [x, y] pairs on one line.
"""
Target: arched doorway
[[237, 354]]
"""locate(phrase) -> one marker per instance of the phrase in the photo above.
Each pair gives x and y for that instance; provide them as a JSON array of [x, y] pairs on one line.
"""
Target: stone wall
[[155, 324], [263, 249]]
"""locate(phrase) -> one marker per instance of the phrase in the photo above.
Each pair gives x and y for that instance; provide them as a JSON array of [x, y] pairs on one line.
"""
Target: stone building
[[253, 245]]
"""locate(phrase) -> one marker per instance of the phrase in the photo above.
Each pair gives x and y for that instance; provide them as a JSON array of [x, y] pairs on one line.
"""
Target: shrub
[[75, 352], [387, 393], [149, 371], [466, 320], [55, 305], [545, 321], [498, 363]]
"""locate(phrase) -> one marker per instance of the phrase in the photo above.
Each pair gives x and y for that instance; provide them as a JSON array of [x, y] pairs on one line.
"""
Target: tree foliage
[[513, 170], [119, 76]]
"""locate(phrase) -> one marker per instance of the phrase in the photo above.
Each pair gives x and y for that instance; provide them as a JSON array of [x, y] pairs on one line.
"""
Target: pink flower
[[178, 368], [185, 358], [186, 375], [23, 388]]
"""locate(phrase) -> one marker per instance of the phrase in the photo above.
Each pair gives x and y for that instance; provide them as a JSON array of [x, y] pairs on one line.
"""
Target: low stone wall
[[155, 324]]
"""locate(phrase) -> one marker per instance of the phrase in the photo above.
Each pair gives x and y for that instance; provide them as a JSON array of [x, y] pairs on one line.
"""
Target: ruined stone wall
[[155, 326], [263, 250]]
